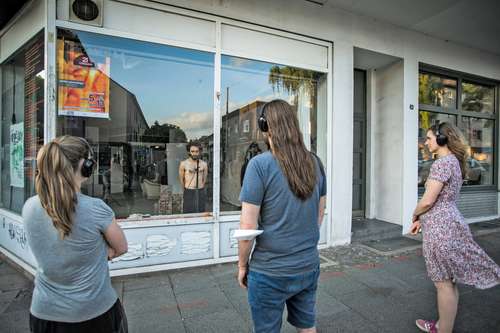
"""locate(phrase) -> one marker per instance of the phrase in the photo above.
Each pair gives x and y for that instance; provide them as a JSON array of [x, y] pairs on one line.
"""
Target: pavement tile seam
[[176, 301]]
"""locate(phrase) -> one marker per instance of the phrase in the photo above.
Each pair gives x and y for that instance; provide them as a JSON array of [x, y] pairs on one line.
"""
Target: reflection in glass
[[437, 91], [246, 86], [479, 135], [140, 105], [425, 158], [21, 124], [477, 98]]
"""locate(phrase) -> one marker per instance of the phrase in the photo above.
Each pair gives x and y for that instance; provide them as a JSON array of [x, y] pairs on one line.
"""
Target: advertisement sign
[[83, 85], [17, 155]]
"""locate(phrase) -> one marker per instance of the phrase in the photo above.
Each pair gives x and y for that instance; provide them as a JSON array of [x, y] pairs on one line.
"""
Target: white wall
[[335, 25], [343, 99], [387, 120]]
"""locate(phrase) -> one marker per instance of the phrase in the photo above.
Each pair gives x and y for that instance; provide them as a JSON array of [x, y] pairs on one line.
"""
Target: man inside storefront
[[193, 175]]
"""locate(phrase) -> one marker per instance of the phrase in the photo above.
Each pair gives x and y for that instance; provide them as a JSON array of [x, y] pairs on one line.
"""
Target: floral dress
[[449, 250]]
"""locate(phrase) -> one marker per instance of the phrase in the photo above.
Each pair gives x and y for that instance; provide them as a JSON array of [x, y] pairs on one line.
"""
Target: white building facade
[[141, 80]]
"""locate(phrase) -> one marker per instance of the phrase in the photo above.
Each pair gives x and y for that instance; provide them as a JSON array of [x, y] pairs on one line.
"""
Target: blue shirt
[[72, 282], [288, 245]]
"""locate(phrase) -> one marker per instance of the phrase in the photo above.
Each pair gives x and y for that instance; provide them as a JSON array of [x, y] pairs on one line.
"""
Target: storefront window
[[479, 131], [246, 86], [425, 158], [477, 98], [479, 135], [147, 111], [438, 91], [21, 124]]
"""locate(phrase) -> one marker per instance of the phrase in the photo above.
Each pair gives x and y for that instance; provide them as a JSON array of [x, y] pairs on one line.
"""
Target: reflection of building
[[239, 129], [112, 141]]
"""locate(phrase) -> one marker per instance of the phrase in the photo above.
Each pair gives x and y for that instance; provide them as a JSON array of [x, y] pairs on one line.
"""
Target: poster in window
[[17, 155], [83, 85]]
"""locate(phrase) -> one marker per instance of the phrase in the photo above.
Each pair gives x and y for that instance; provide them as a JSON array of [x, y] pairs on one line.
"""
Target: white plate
[[241, 234]]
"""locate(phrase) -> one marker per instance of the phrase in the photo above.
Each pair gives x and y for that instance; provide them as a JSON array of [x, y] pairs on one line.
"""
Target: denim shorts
[[267, 296]]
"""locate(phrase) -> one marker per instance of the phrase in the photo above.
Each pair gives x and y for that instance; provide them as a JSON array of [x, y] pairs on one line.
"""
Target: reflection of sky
[[175, 85], [172, 85], [248, 80]]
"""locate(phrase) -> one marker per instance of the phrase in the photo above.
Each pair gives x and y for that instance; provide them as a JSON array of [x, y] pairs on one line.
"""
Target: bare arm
[[248, 221], [181, 174], [116, 240], [205, 174], [321, 213], [432, 189]]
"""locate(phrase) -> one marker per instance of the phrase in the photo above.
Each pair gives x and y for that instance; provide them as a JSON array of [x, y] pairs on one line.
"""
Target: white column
[[342, 141], [50, 84], [410, 140]]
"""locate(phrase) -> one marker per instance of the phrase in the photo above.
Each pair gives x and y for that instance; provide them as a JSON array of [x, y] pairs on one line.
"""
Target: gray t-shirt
[[288, 245], [72, 283]]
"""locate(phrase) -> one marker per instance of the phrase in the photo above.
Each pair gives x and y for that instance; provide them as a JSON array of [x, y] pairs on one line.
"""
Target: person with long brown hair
[[283, 194], [72, 237], [451, 254]]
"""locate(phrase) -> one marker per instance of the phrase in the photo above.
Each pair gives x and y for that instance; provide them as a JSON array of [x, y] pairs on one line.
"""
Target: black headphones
[[262, 121], [441, 139], [88, 163]]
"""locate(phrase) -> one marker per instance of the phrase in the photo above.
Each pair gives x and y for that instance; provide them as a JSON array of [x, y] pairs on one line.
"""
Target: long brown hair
[[295, 160], [456, 143], [55, 183]]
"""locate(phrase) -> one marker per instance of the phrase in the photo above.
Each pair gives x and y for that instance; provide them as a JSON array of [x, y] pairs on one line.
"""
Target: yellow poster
[[83, 84], [425, 122]]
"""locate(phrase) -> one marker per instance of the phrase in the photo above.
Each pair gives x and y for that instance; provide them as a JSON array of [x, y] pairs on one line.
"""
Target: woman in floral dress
[[451, 255]]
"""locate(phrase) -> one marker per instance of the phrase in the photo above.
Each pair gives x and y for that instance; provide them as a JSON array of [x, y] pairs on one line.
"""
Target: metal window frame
[[460, 77]]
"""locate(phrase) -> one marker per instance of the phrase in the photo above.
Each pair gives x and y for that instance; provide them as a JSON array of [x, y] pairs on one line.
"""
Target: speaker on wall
[[86, 12]]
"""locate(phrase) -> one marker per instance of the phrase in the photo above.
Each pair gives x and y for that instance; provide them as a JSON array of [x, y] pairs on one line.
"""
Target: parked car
[[473, 174]]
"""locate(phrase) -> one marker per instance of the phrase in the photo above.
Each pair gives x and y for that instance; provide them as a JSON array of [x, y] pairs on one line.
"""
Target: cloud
[[194, 124], [240, 62]]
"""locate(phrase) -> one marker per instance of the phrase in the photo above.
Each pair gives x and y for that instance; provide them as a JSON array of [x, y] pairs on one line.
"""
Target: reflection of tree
[[302, 84], [291, 79], [476, 97], [435, 90], [164, 133]]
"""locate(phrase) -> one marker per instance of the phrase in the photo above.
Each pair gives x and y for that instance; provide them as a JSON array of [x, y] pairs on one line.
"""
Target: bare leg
[[447, 297], [306, 330]]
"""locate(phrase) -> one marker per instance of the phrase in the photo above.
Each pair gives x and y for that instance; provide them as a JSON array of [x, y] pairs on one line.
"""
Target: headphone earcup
[[87, 168], [441, 140], [262, 122]]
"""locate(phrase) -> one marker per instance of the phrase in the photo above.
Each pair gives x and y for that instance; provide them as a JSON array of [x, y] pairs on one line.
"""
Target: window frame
[[39, 34], [215, 215], [460, 77]]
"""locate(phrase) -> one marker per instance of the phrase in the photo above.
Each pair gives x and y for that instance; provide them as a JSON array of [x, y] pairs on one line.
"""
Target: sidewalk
[[360, 291]]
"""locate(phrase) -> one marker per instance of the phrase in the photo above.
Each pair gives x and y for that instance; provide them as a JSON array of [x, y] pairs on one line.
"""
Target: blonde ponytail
[[55, 181]]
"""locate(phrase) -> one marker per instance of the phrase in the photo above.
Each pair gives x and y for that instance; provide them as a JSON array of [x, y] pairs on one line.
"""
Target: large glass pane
[[246, 85], [21, 125], [436, 90], [425, 158], [477, 98], [480, 136], [140, 105]]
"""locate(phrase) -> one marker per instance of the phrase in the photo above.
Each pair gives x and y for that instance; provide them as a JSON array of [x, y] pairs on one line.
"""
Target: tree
[[164, 133]]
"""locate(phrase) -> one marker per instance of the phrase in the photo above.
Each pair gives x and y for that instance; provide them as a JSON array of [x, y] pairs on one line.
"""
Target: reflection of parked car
[[473, 176], [474, 172]]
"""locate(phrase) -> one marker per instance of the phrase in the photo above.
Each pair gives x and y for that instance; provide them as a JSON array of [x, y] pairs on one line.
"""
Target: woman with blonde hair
[[451, 254], [72, 236]]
